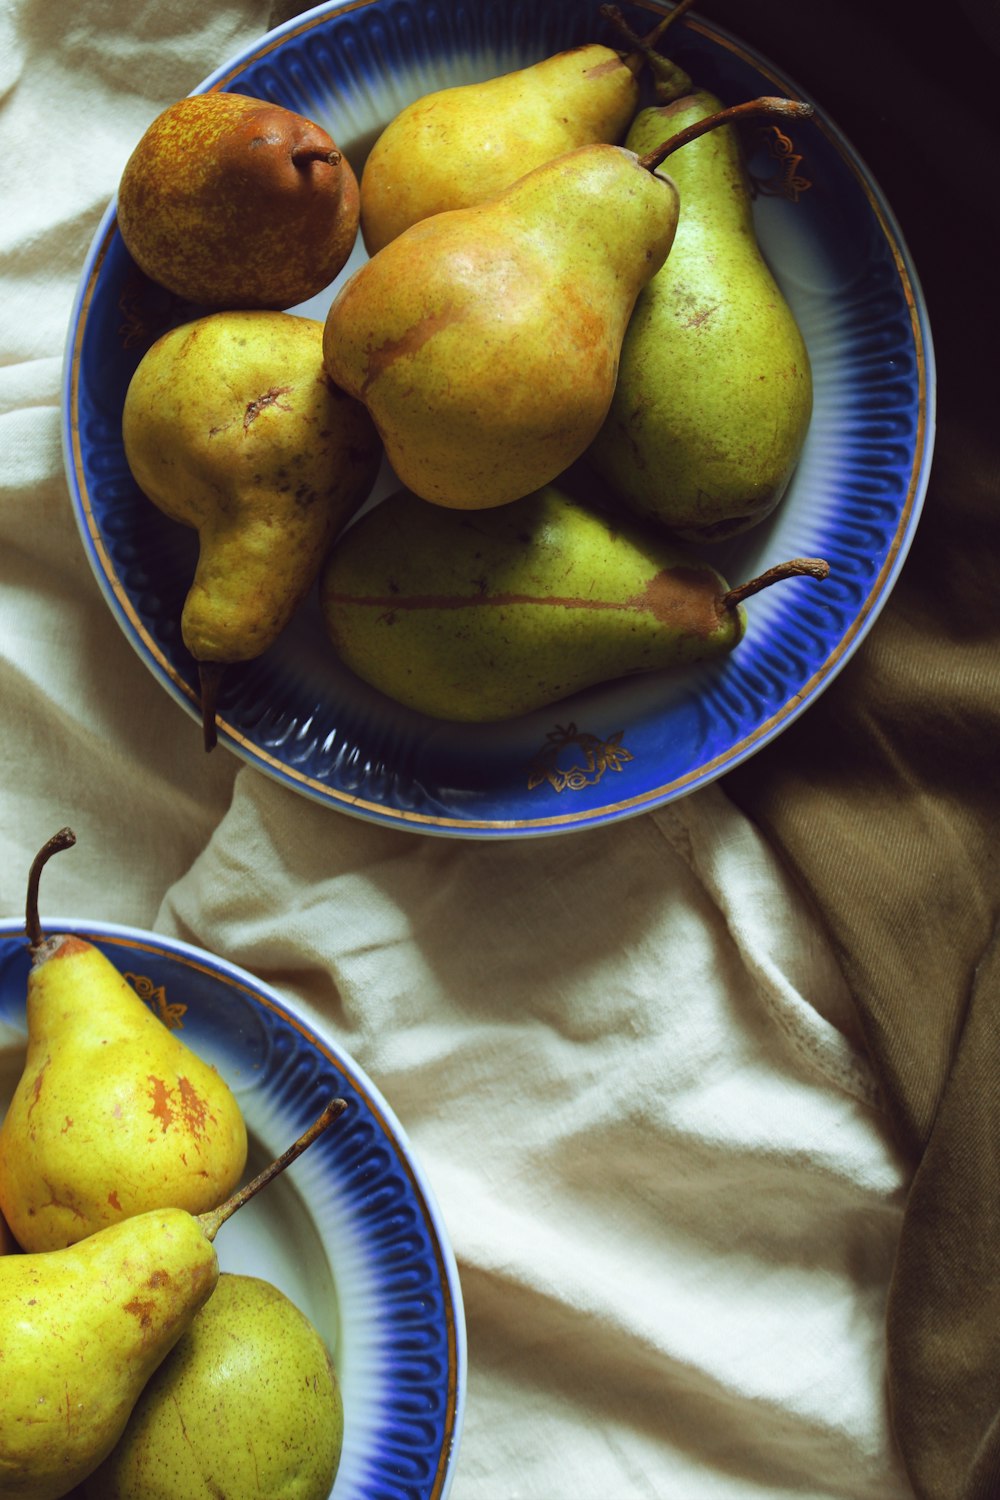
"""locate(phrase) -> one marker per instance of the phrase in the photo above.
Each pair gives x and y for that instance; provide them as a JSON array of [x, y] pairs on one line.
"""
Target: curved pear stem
[[796, 567], [64, 839], [209, 679], [671, 81], [302, 155], [212, 1221], [768, 106]]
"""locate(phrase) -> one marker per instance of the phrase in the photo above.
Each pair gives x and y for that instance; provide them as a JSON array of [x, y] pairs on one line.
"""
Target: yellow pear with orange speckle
[[113, 1114]]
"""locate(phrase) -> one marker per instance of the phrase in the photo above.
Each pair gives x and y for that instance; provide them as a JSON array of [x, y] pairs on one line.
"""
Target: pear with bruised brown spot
[[485, 616], [232, 427], [82, 1330], [113, 1113]]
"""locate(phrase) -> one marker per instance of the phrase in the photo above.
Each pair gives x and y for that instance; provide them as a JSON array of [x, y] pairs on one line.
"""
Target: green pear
[[82, 1330], [232, 427], [460, 145], [246, 1403], [231, 201], [113, 1114], [484, 616], [714, 392]]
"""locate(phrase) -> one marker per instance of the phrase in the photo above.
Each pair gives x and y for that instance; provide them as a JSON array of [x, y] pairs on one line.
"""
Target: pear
[[460, 145], [231, 201], [246, 1403], [714, 393], [113, 1114], [481, 617], [82, 1330], [485, 340], [231, 426]]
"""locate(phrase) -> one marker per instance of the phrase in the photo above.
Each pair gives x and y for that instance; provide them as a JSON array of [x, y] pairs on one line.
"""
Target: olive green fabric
[[885, 797]]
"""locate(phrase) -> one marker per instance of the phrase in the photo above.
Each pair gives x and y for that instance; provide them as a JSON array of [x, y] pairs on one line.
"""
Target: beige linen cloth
[[626, 1057]]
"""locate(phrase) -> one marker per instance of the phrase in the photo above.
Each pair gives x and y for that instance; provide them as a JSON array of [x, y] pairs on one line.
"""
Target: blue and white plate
[[350, 1232], [623, 748]]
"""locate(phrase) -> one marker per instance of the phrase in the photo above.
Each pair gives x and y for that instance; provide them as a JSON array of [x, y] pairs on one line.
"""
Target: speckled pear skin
[[214, 206], [81, 1331], [458, 146], [485, 340], [113, 1114], [714, 392], [247, 1404], [482, 617], [231, 426]]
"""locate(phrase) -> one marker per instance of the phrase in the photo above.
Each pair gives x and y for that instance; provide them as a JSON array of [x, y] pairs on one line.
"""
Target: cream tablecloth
[[626, 1057]]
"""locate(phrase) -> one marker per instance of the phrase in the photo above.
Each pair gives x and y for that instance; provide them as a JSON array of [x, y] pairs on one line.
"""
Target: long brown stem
[[64, 839], [734, 115], [209, 679], [796, 567], [212, 1221], [671, 81]]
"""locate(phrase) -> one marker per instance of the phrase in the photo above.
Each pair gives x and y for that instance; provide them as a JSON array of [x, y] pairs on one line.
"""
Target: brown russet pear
[[714, 392], [113, 1113], [479, 617], [231, 201], [232, 426], [82, 1329], [485, 340], [246, 1403], [458, 146]]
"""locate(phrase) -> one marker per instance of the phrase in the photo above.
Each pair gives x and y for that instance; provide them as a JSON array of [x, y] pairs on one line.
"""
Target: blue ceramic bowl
[[350, 1232], [628, 746]]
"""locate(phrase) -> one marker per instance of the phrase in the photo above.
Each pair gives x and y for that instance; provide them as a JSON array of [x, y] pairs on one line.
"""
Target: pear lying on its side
[[483, 616], [246, 1403], [230, 201]]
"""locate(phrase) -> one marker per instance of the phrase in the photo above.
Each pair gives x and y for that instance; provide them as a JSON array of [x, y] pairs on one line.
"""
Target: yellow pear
[[232, 427], [460, 145], [82, 1329], [113, 1114], [485, 341]]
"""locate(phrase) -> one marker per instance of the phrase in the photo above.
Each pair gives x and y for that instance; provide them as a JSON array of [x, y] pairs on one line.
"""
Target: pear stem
[[796, 567], [64, 839], [212, 1221], [209, 678], [303, 155], [671, 80], [734, 115]]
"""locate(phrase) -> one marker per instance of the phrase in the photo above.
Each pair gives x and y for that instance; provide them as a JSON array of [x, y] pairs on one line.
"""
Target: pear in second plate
[[246, 1403], [113, 1114], [82, 1329]]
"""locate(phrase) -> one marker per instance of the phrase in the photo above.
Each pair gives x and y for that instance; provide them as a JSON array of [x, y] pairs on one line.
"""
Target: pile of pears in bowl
[[136, 1360], [560, 339], [445, 384]]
